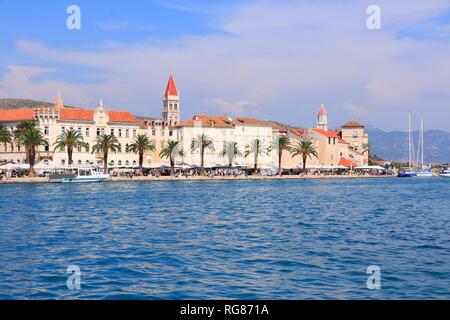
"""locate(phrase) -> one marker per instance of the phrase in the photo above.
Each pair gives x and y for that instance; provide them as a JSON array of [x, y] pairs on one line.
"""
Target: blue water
[[290, 239]]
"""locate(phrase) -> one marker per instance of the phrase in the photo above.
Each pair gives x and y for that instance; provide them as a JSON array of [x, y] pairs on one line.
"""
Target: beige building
[[346, 146]]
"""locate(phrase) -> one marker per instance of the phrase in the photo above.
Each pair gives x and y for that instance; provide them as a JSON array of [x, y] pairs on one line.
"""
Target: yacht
[[445, 173], [424, 171], [77, 175]]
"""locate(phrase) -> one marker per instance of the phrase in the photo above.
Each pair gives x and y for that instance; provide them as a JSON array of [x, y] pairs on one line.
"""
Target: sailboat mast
[[409, 140], [421, 138]]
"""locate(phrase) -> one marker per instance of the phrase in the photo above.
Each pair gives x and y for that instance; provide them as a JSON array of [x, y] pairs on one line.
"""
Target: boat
[[445, 173], [78, 175], [410, 171], [424, 171]]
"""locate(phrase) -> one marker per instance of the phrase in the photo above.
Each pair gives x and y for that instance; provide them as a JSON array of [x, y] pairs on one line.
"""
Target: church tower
[[171, 103], [322, 119]]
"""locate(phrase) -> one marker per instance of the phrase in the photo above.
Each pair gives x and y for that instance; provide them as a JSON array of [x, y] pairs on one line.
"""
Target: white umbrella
[[369, 168]]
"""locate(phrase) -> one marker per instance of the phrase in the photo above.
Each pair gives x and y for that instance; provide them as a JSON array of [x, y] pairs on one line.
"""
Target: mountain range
[[392, 145]]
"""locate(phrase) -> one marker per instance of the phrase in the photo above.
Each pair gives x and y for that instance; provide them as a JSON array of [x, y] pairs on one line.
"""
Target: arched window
[[134, 163], [111, 163], [127, 163], [79, 161], [120, 162]]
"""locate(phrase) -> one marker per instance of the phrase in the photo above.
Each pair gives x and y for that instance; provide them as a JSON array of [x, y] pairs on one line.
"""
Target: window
[[63, 129], [334, 140], [102, 131], [162, 133], [127, 163], [127, 133], [87, 132], [153, 132], [134, 133], [162, 145], [120, 133], [63, 162], [71, 128], [79, 149], [112, 132], [47, 148], [46, 130], [175, 106], [79, 161], [134, 162], [120, 162], [355, 134], [98, 132], [79, 130], [170, 133], [111, 163]]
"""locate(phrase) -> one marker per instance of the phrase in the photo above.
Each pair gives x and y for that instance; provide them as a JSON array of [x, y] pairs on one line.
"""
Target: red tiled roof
[[76, 114], [353, 124], [347, 163], [252, 122], [171, 89], [298, 132], [121, 116], [16, 115], [209, 121], [329, 134]]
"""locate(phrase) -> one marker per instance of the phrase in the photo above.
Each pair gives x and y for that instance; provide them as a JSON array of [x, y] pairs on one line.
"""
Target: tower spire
[[171, 103], [59, 102], [322, 118]]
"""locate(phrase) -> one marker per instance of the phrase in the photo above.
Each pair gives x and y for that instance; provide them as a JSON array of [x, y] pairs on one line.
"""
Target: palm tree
[[257, 148], [231, 151], [5, 135], [105, 143], [281, 143], [201, 143], [172, 151], [31, 137], [305, 149], [70, 139], [140, 145]]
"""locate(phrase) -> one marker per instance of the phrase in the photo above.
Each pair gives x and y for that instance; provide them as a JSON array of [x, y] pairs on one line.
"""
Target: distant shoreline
[[197, 178]]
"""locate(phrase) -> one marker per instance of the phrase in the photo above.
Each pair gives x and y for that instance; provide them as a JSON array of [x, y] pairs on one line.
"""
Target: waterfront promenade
[[200, 178]]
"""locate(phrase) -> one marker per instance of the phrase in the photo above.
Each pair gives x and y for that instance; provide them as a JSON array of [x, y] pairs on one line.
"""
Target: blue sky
[[268, 59]]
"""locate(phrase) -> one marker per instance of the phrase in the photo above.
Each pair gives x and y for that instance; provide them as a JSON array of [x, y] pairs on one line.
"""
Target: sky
[[277, 60]]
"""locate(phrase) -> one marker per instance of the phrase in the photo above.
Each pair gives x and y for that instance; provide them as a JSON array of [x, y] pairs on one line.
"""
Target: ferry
[[79, 175]]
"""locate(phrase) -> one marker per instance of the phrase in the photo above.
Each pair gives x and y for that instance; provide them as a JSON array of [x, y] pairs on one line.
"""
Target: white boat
[[445, 173], [424, 171], [79, 175], [410, 171]]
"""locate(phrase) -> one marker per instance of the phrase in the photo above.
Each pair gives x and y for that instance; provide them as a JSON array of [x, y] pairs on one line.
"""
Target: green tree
[[280, 144], [231, 151], [5, 135], [140, 146], [103, 144], [171, 151], [257, 148], [306, 149], [202, 143], [70, 139], [28, 135]]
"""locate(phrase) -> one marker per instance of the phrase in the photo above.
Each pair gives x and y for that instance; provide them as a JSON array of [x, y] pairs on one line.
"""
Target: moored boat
[[79, 175], [445, 173]]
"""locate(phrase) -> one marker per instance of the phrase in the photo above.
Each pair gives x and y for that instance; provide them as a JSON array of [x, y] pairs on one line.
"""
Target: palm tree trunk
[[141, 161], [105, 162], [172, 167], [69, 154], [256, 162], [304, 163], [32, 158], [202, 164], [280, 170]]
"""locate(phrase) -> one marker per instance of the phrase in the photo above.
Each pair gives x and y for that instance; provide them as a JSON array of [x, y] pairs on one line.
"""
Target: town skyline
[[277, 69]]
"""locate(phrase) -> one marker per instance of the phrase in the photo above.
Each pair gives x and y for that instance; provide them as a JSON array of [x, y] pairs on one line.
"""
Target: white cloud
[[276, 60]]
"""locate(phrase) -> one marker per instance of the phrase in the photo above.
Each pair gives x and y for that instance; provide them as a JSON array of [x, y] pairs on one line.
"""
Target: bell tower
[[171, 103], [322, 119]]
